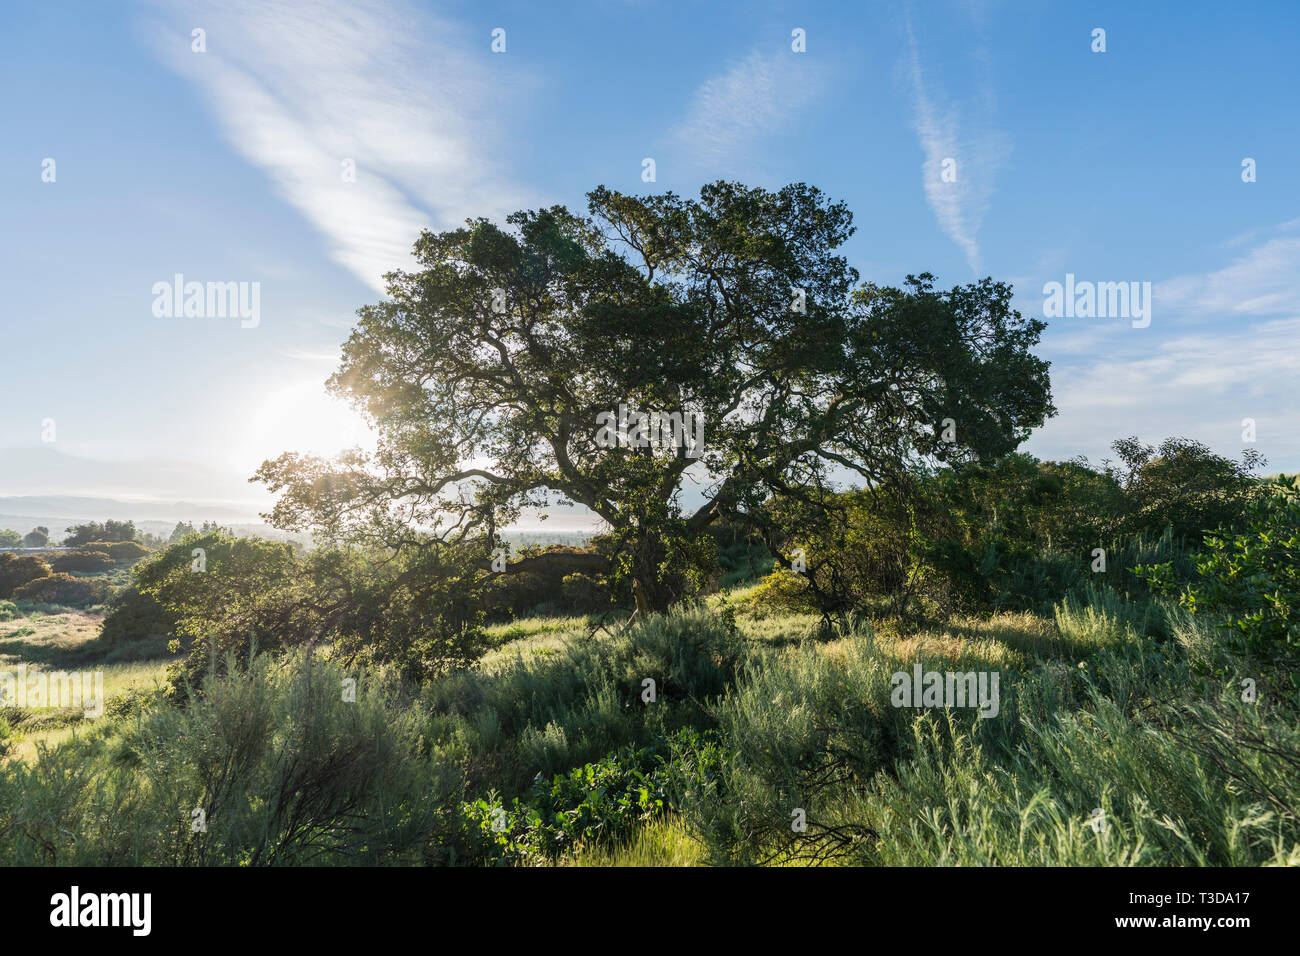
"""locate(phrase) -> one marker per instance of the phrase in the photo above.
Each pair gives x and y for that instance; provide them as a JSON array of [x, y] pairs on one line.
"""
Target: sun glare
[[301, 418]]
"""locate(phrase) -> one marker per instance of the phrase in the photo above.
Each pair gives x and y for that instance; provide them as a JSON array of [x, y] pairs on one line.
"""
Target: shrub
[[133, 615], [780, 592], [802, 730], [122, 552], [595, 805], [421, 612], [959, 799], [548, 714], [63, 588], [83, 560], [742, 558], [1183, 485], [1248, 583], [848, 548], [1102, 618], [17, 570], [9, 611], [285, 771], [584, 593]]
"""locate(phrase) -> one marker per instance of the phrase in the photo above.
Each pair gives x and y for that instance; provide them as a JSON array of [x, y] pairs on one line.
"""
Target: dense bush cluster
[[545, 592], [1247, 583], [17, 569], [225, 595], [132, 615], [93, 531], [86, 575], [300, 759], [62, 588], [122, 552], [1016, 533], [84, 560]]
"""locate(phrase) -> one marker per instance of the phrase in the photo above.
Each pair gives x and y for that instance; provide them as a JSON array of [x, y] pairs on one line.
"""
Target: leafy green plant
[[1249, 582], [598, 804]]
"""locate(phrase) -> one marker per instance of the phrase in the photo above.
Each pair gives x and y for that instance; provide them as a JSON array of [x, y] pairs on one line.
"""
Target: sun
[[302, 418]]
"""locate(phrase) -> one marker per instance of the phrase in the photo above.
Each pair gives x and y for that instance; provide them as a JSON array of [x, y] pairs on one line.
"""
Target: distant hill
[[99, 509], [46, 472], [46, 487], [22, 513], [58, 525]]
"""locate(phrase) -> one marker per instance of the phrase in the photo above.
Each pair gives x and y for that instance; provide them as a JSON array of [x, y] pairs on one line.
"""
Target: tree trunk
[[653, 596], [642, 603]]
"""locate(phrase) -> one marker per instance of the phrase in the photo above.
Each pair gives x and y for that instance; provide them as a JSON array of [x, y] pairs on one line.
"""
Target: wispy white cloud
[[1189, 374], [299, 88], [733, 112], [1261, 282], [965, 135], [1252, 234], [1200, 385], [1264, 281]]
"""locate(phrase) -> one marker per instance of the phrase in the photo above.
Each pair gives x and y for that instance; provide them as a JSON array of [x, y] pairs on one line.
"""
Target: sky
[[969, 139]]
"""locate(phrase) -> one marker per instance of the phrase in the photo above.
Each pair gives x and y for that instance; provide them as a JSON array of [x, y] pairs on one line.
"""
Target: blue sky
[[1122, 166]]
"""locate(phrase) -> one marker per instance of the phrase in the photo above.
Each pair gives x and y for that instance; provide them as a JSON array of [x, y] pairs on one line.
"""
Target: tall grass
[[270, 765], [531, 715], [768, 742]]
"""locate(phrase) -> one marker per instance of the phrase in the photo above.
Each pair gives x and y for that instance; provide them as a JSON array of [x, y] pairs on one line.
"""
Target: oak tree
[[487, 373]]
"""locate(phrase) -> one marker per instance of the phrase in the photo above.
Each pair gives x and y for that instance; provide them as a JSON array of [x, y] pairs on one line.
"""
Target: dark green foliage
[[1184, 486], [422, 612], [549, 590], [132, 615], [598, 803], [1014, 533], [741, 556], [110, 530]]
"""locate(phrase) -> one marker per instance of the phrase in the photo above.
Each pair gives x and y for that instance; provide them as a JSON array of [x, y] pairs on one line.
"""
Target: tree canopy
[[110, 530], [488, 373]]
